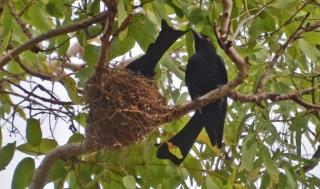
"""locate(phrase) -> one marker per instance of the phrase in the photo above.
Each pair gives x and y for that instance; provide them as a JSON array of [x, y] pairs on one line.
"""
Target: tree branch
[[225, 18], [105, 39], [50, 34], [66, 151], [257, 98]]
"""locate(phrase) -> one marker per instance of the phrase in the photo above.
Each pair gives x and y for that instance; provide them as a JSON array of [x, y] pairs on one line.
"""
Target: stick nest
[[123, 107]]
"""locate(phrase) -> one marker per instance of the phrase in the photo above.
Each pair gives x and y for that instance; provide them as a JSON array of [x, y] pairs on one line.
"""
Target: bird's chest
[[205, 76]]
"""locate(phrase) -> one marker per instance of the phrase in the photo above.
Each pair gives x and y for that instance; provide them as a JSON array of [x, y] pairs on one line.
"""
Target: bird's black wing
[[145, 64], [193, 76]]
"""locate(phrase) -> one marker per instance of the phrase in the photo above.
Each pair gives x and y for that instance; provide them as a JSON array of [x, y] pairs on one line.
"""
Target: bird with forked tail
[[205, 71]]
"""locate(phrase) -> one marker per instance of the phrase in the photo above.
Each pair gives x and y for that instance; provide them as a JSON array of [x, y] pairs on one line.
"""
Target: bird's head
[[202, 42]]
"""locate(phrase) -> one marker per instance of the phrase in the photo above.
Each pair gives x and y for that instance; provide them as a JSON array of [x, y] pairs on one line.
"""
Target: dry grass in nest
[[123, 107]]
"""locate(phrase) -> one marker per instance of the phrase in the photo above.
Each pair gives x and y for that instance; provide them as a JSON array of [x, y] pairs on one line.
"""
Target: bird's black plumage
[[205, 72], [145, 64]]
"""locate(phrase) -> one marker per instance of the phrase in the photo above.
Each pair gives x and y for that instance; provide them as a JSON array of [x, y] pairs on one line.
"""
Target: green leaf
[[189, 44], [213, 183], [248, 157], [33, 133], [129, 182], [77, 137], [176, 8], [55, 7], [38, 18], [57, 171], [31, 60], [6, 24], [291, 181], [46, 146], [21, 112], [6, 154], [5, 103], [182, 98], [194, 168], [94, 7], [23, 174], [121, 45], [256, 28], [81, 118], [282, 4], [310, 50], [71, 87], [197, 15], [282, 181], [142, 30], [172, 65], [63, 42], [266, 181], [122, 13], [298, 125], [13, 67], [93, 31], [84, 74], [91, 54], [312, 37], [269, 164]]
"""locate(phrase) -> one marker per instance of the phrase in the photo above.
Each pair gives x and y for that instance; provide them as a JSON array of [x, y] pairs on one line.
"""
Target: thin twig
[[27, 7], [54, 101], [225, 18], [291, 17], [18, 19], [265, 76], [316, 156], [246, 20], [105, 39]]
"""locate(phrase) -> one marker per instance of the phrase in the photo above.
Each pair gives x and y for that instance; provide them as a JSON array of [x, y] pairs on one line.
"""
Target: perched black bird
[[205, 72], [145, 64]]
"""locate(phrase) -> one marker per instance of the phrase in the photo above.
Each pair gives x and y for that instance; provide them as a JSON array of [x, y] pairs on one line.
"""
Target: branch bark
[[105, 39], [295, 96]]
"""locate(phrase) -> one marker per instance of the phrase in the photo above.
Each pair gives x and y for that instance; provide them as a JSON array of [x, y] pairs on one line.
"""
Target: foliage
[[265, 142]]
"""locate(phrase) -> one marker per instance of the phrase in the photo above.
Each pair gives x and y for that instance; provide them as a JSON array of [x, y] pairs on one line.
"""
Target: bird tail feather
[[183, 140]]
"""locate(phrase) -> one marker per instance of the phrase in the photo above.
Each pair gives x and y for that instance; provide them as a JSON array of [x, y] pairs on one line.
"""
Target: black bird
[[205, 71], [145, 64]]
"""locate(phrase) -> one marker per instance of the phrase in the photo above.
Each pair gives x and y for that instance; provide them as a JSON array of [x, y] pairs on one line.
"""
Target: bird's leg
[[196, 99]]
